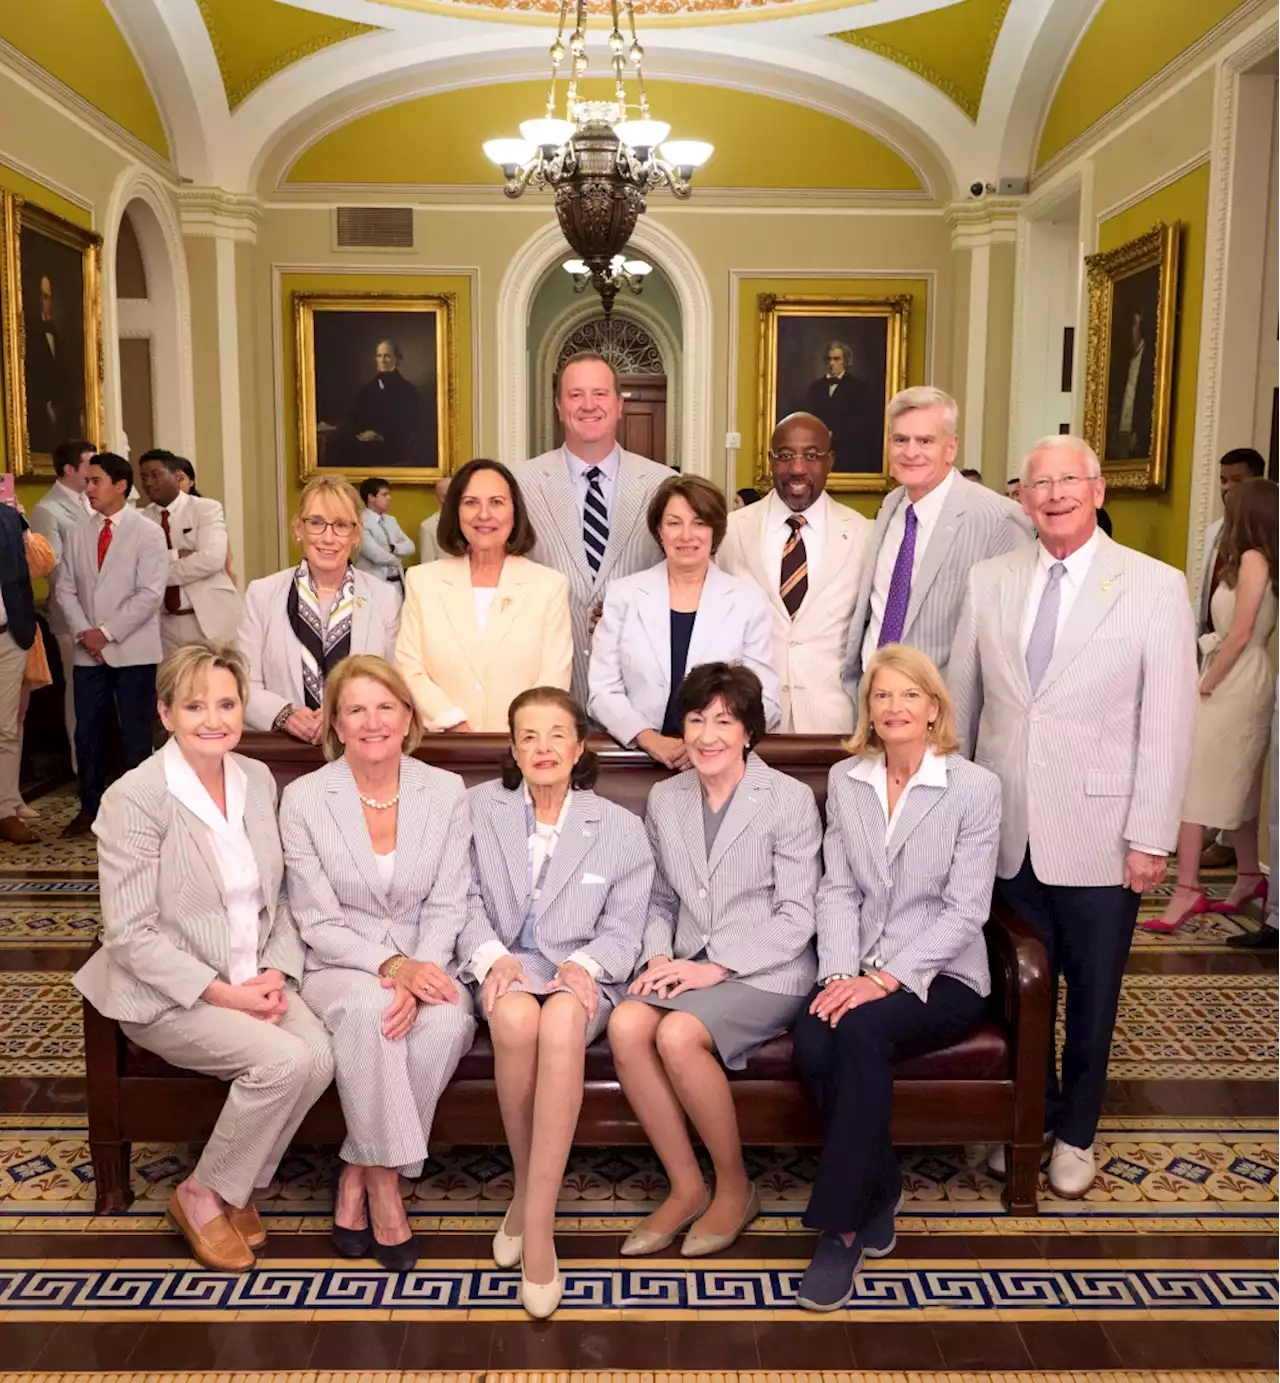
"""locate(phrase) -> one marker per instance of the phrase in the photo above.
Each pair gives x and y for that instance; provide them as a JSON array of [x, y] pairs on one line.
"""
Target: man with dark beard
[[385, 428]]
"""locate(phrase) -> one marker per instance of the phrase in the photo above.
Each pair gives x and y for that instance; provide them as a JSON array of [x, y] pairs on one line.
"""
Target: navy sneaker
[[828, 1280], [878, 1235]]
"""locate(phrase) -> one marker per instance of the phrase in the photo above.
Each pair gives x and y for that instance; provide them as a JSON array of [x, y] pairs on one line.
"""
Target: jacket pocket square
[[593, 878]]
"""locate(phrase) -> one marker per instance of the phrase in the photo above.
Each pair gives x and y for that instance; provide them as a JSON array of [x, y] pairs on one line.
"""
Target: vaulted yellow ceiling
[[255, 39], [950, 48], [77, 41], [760, 141]]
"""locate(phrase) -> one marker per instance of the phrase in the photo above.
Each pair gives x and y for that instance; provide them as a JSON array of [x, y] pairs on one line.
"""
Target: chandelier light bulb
[[576, 267], [684, 153], [547, 133], [557, 52], [641, 134], [637, 268], [509, 153], [635, 53]]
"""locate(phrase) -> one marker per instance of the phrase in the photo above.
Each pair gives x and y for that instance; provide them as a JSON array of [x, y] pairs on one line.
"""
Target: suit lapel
[[562, 502], [199, 834], [577, 838], [688, 813], [513, 838], [629, 499], [360, 617], [654, 609], [260, 825], [343, 802], [1017, 590], [767, 581], [747, 801], [866, 814], [939, 545], [513, 592], [835, 553], [1103, 583], [458, 605], [921, 800], [411, 827]]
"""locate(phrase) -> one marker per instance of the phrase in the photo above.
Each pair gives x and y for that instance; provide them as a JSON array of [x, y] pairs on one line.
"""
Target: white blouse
[[229, 841], [932, 773], [386, 869]]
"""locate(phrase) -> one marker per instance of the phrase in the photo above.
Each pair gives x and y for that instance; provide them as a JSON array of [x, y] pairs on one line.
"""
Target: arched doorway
[[632, 350]]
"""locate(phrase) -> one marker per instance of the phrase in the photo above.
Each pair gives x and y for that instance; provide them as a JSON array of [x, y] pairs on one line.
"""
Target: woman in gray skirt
[[726, 957]]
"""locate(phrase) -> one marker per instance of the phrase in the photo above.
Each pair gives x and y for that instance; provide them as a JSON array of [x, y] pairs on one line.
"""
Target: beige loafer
[[217, 1245], [244, 1220], [641, 1242], [701, 1245]]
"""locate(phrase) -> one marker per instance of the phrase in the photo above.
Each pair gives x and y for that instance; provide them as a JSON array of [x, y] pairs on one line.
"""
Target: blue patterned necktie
[[1044, 632], [595, 520], [899, 597]]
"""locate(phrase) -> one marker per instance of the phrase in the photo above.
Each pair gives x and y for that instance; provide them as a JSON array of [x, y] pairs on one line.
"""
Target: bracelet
[[394, 966], [837, 975], [282, 718], [876, 980]]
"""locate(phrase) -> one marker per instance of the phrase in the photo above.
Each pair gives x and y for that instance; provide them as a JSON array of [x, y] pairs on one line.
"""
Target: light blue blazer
[[630, 672]]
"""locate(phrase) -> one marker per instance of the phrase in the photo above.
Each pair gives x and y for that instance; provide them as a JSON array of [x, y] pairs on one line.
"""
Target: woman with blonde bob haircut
[[910, 861], [378, 854], [299, 624], [200, 959]]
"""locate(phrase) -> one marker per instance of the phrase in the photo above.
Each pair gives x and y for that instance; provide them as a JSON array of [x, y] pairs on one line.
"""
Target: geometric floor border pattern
[[658, 1376], [1207, 1292]]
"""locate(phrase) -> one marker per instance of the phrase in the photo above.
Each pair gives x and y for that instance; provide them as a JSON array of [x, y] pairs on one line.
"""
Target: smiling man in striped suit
[[588, 499]]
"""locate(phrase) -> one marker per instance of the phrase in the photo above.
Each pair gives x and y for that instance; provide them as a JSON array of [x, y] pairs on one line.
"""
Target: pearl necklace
[[377, 806]]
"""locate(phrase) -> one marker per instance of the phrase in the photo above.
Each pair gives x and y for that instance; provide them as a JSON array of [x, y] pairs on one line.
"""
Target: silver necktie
[[1044, 631]]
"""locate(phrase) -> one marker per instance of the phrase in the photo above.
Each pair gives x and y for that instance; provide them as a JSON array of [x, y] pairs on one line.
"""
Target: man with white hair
[[929, 532], [1074, 680]]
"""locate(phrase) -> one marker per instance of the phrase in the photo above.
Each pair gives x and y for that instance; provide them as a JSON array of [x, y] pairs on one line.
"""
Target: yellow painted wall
[[412, 503], [760, 141], [748, 365], [1157, 524], [78, 42], [1128, 42]]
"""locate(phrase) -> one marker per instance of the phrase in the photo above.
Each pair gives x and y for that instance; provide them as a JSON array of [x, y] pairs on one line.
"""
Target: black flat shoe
[[396, 1258], [350, 1243]]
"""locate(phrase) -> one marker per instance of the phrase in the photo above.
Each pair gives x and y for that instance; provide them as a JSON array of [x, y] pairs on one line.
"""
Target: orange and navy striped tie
[[795, 567]]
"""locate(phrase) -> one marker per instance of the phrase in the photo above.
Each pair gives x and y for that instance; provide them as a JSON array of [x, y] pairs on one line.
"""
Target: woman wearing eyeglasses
[[299, 624]]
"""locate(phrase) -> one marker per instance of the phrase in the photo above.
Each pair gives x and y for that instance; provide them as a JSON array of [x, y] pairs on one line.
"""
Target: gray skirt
[[537, 965], [738, 1016]]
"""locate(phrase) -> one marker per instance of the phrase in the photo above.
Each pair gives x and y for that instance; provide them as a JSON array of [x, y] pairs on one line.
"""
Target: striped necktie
[[595, 520], [795, 567]]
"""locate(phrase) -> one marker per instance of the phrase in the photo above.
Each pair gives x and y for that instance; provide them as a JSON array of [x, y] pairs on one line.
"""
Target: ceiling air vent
[[375, 227]]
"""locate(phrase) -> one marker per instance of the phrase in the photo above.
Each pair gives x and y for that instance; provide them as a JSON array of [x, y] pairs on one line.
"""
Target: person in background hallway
[[1013, 488], [186, 476], [378, 859], [383, 543], [200, 959], [726, 957], [929, 532], [200, 599], [744, 497], [428, 543], [299, 624], [1267, 937], [484, 623], [588, 499], [1073, 677], [61, 508], [110, 590], [17, 635], [548, 954], [1233, 718], [910, 859], [1234, 468], [970, 474], [661, 623], [807, 554], [37, 673]]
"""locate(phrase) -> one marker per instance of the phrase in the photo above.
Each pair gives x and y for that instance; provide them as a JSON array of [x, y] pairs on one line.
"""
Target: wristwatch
[[838, 975]]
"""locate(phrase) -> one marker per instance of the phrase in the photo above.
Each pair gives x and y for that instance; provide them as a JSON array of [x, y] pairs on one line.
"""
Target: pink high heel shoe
[[1225, 909], [1197, 905]]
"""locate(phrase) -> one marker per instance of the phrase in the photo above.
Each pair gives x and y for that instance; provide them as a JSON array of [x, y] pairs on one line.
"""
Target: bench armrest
[[1020, 984]]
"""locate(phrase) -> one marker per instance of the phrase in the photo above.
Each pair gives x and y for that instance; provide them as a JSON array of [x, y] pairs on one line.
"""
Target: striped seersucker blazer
[[750, 907], [1096, 760], [556, 515], [344, 915], [975, 523], [917, 907], [595, 896], [164, 920]]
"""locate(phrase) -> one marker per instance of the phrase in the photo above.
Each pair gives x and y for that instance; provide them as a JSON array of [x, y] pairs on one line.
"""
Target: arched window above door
[[625, 344]]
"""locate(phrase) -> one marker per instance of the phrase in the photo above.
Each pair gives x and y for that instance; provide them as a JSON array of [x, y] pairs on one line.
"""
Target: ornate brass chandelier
[[599, 162]]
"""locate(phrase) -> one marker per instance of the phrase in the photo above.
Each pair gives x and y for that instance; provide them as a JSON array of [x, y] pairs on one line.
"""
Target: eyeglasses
[[810, 455], [1044, 486], [316, 526]]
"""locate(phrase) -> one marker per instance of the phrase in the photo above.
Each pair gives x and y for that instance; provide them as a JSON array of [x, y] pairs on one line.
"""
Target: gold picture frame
[[52, 377], [1128, 387], [797, 335], [408, 438]]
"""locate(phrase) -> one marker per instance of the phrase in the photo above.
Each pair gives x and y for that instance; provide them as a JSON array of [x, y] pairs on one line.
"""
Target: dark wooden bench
[[987, 1089]]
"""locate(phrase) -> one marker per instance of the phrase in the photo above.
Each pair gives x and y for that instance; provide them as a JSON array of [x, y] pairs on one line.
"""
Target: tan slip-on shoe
[[245, 1222], [642, 1242], [700, 1245], [217, 1245]]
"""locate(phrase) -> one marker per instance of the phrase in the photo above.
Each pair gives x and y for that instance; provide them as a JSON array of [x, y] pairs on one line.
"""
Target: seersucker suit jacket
[[556, 516], [55, 514], [1095, 761], [200, 528], [267, 639], [917, 906], [345, 917], [595, 896], [630, 672], [750, 906], [164, 917], [975, 523]]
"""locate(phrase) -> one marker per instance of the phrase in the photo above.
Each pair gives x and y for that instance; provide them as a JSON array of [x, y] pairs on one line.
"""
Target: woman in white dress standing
[[1233, 720]]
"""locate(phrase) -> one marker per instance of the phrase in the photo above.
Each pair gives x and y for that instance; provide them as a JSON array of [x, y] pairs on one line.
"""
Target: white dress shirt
[[777, 531], [76, 497], [928, 512], [578, 469], [932, 773], [482, 597], [1077, 569], [542, 845], [237, 864]]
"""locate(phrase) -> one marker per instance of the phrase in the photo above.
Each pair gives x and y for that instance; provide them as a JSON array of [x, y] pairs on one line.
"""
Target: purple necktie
[[895, 608]]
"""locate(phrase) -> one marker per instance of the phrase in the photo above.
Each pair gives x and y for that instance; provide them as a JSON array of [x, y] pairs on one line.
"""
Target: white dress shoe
[[641, 1242], [1071, 1170], [540, 1299], [506, 1247]]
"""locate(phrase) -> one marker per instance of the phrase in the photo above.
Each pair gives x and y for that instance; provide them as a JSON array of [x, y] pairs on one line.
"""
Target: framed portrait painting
[[841, 359], [52, 313], [1133, 295], [376, 384]]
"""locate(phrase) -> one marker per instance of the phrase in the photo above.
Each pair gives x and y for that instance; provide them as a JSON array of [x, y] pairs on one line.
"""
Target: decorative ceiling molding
[[966, 95], [655, 13], [212, 212]]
